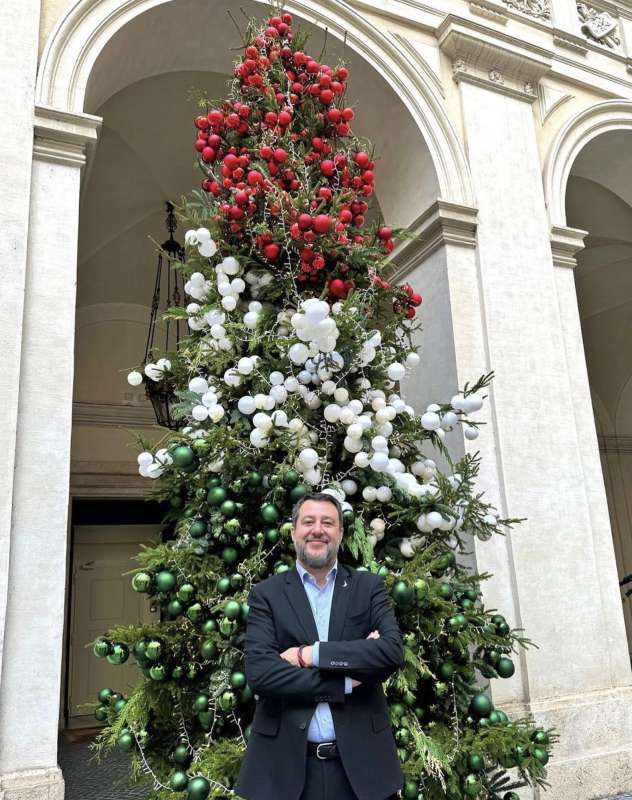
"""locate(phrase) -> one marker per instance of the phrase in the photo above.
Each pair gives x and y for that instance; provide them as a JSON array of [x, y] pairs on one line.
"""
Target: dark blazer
[[280, 617]]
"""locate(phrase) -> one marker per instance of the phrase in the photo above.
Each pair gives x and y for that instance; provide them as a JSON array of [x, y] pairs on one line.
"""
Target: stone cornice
[[443, 223], [565, 244], [107, 479], [63, 137], [493, 59], [112, 415]]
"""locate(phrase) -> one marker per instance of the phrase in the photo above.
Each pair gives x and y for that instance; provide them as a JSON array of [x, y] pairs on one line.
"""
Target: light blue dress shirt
[[321, 726]]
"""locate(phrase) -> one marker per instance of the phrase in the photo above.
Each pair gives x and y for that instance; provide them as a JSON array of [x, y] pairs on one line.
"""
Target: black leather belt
[[323, 750]]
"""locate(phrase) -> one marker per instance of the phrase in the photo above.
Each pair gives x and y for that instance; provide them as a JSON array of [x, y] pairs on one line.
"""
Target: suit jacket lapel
[[339, 603], [299, 603]]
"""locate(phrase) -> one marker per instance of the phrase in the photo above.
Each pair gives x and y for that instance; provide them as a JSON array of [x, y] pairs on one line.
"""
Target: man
[[321, 639]]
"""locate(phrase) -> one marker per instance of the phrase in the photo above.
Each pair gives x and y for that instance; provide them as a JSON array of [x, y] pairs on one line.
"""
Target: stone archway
[[66, 131]]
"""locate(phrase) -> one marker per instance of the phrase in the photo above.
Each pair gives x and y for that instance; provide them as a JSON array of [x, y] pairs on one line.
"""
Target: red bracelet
[[301, 660]]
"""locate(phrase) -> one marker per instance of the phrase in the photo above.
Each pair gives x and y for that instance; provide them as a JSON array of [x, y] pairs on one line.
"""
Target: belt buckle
[[318, 746]]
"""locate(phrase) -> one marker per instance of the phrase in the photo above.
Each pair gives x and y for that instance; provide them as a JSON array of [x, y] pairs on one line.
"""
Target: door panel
[[102, 598]]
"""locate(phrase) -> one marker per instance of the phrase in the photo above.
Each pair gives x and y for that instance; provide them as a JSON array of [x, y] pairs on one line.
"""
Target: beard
[[323, 558]]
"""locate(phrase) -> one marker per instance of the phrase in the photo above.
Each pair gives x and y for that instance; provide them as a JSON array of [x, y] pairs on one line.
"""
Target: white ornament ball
[[349, 487], [216, 413], [379, 461], [384, 494], [396, 371], [200, 413], [369, 493], [145, 459], [361, 460], [247, 404], [198, 385], [135, 378], [430, 421], [470, 433]]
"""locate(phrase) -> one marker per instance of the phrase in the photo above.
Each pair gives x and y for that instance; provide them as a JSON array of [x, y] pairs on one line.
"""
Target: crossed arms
[[371, 660]]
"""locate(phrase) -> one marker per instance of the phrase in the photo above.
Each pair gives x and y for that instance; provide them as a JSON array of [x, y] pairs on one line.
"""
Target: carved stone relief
[[540, 9], [599, 26]]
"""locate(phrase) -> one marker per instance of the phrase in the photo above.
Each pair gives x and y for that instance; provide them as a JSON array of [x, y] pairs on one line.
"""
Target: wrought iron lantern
[[168, 293]]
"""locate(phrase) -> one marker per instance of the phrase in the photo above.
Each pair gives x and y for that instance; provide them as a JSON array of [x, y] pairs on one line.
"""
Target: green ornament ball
[[195, 612], [228, 508], [153, 649], [119, 705], [348, 516], [186, 592], [227, 700], [281, 568], [141, 582], [273, 535], [183, 456], [229, 555], [298, 492], [238, 680], [402, 593], [480, 705], [270, 514], [475, 762], [397, 710], [511, 796], [505, 667], [254, 479], [175, 608], [209, 626], [237, 581], [158, 672], [201, 703], [102, 648], [422, 590], [223, 585], [495, 718], [198, 789], [540, 754], [178, 781], [125, 741], [471, 785], [446, 671], [503, 629], [245, 610], [502, 717], [165, 581], [232, 609], [411, 790], [105, 695], [181, 755], [290, 478], [119, 653], [177, 673], [216, 496], [101, 714], [445, 591], [471, 594], [538, 737], [206, 720], [197, 529], [208, 649]]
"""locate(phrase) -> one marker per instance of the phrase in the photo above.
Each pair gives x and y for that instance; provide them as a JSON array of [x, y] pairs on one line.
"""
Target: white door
[[102, 597]]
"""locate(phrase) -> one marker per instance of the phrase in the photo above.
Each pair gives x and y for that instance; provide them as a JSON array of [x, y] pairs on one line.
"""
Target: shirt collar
[[306, 575]]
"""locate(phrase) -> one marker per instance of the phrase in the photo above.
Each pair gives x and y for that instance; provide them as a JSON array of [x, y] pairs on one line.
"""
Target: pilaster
[[35, 608]]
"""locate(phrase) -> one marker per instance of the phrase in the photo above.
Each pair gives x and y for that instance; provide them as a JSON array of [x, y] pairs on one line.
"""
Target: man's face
[[317, 534]]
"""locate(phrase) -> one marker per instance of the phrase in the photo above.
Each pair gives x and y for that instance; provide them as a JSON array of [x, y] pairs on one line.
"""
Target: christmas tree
[[289, 383]]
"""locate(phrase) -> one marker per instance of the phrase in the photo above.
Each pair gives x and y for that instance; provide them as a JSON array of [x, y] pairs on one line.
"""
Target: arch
[[83, 31], [571, 139]]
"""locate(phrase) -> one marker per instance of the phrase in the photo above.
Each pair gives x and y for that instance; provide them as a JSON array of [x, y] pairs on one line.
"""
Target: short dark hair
[[319, 497]]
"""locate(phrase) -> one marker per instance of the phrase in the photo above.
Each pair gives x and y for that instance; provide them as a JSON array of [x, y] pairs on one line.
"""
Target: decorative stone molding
[[443, 223], [113, 415], [106, 479], [492, 59], [63, 137], [549, 100], [565, 244], [581, 129], [489, 10], [571, 42], [32, 784], [540, 9], [599, 26]]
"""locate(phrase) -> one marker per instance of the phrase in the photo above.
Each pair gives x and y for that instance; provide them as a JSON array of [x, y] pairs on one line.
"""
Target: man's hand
[[291, 655]]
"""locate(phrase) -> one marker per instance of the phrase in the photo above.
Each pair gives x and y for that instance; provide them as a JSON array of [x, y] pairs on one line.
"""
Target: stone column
[[18, 65], [30, 684], [558, 568]]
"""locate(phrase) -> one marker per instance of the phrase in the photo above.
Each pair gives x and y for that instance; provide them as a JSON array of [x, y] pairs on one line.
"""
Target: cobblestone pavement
[[87, 780]]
